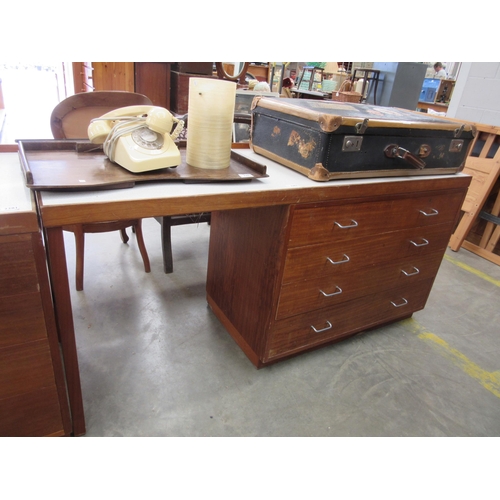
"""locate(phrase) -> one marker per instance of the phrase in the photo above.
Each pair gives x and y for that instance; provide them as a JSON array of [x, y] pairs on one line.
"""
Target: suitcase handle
[[395, 151]]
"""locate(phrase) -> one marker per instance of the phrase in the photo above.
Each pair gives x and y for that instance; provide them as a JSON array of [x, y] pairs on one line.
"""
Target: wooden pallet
[[479, 228]]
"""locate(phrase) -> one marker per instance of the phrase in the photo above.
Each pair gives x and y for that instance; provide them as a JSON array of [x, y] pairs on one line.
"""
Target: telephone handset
[[139, 138]]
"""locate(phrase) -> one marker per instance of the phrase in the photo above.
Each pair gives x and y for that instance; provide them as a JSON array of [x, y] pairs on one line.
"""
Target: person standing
[[440, 72]]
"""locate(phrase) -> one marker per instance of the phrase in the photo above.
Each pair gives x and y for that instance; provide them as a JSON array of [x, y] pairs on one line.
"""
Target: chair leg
[[124, 235], [80, 249], [166, 244], [142, 246]]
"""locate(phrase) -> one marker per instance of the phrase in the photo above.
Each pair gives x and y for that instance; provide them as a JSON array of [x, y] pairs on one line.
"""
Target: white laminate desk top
[[14, 195], [280, 178]]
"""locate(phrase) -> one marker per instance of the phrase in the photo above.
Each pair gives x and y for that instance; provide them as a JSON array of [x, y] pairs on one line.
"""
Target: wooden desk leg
[[64, 319]]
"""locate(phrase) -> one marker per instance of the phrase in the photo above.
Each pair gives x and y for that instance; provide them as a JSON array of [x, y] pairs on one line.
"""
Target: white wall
[[476, 96]]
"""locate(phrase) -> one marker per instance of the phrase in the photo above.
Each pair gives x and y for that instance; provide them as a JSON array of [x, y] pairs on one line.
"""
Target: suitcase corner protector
[[319, 173], [329, 123]]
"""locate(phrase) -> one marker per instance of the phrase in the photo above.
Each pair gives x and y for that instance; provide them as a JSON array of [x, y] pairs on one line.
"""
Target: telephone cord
[[123, 127], [127, 125]]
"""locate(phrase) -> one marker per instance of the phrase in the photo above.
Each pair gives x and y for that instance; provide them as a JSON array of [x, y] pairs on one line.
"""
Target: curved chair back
[[71, 117]]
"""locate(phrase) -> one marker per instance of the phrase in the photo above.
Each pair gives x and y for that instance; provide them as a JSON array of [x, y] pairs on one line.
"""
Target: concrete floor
[[155, 361]]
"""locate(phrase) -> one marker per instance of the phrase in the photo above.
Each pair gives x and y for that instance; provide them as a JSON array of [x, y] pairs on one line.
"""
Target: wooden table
[[435, 106], [283, 187]]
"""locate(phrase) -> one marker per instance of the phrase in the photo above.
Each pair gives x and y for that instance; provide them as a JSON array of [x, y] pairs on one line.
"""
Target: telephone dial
[[139, 138]]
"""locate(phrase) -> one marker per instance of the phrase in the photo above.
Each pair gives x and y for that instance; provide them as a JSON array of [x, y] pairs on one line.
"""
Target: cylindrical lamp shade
[[210, 122]]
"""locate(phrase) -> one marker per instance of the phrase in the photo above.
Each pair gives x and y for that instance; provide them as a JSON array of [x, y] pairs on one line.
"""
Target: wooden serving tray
[[79, 165]]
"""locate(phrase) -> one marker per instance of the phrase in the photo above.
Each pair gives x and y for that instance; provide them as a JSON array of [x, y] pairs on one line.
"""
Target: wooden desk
[[283, 189]]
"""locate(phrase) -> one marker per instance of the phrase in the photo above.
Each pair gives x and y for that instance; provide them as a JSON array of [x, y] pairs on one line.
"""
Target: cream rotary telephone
[[139, 138]]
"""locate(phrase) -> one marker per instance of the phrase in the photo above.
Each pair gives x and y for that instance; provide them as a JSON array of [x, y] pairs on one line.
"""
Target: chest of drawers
[[33, 398], [285, 279]]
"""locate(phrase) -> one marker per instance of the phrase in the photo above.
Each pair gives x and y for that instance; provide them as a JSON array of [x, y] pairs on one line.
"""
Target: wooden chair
[[70, 120]]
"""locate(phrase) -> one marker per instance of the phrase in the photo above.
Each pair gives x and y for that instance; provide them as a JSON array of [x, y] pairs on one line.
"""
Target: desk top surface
[[280, 178], [283, 186], [14, 195]]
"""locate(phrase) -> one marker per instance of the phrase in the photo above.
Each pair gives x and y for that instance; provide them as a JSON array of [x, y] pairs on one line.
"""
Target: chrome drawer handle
[[420, 244], [353, 224], [416, 271], [433, 212], [346, 259], [400, 305], [323, 329], [338, 292]]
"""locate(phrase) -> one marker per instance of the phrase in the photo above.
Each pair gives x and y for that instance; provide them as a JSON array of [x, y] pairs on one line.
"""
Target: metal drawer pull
[[433, 212], [323, 329], [400, 305], [420, 244], [354, 224], [338, 292], [416, 271], [346, 259]]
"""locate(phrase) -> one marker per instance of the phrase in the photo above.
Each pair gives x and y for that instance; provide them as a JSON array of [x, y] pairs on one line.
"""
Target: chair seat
[[104, 227]]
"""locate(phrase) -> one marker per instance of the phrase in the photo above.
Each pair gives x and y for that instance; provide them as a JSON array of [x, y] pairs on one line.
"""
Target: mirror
[[233, 71]]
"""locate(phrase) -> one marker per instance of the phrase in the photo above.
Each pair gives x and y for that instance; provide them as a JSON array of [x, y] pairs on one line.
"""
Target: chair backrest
[[71, 117]]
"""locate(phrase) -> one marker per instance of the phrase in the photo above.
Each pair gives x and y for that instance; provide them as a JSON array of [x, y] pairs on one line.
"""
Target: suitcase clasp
[[361, 126], [458, 131], [352, 143]]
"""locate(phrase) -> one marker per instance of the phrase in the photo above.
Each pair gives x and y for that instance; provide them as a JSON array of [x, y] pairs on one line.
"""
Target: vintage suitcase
[[328, 140]]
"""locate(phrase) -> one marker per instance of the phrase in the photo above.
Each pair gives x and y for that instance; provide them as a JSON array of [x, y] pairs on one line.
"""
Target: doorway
[[29, 92]]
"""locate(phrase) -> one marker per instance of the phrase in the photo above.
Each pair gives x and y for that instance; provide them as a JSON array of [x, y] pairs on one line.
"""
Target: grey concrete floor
[[155, 361]]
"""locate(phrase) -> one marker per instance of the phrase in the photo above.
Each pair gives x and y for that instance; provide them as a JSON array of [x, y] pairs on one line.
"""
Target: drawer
[[302, 296], [315, 328], [335, 258], [345, 222]]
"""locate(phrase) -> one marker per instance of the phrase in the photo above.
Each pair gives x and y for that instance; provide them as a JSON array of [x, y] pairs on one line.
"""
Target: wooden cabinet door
[[153, 80], [113, 76]]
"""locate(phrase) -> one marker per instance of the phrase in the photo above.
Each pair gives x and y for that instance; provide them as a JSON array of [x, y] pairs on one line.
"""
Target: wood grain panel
[[113, 76], [17, 266], [244, 267], [312, 260], [316, 224], [152, 79], [31, 414], [296, 333], [302, 296], [25, 368], [21, 319]]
